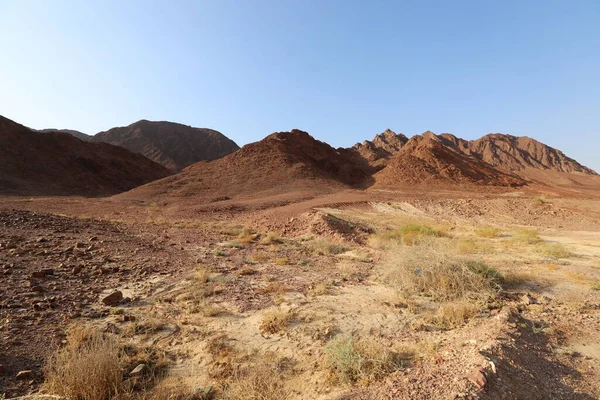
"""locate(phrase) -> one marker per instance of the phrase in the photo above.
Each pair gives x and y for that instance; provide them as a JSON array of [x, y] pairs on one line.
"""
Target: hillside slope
[[426, 159], [55, 163], [282, 161], [173, 145]]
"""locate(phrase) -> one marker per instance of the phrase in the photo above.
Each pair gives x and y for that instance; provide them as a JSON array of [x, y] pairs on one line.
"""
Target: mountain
[[77, 134], [173, 145], [56, 163], [512, 153], [429, 159], [281, 161], [381, 148]]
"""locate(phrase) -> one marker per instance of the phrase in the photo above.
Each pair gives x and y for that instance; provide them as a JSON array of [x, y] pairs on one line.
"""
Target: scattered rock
[[113, 299], [2, 369], [38, 274], [26, 374], [76, 270], [477, 378], [139, 370], [528, 299]]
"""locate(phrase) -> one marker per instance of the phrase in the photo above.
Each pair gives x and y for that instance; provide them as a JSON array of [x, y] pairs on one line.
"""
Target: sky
[[341, 70]]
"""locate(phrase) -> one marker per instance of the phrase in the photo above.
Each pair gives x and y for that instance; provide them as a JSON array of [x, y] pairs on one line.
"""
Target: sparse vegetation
[[350, 360], [454, 314], [270, 238], [433, 269], [88, 367], [258, 382], [554, 250], [408, 234], [202, 274], [487, 231], [281, 261], [324, 246], [275, 321], [539, 200], [595, 286], [527, 236]]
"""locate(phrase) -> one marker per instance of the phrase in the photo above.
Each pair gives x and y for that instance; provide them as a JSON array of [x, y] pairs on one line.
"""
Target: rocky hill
[[428, 159], [281, 161], [173, 145], [56, 163], [381, 148], [512, 153]]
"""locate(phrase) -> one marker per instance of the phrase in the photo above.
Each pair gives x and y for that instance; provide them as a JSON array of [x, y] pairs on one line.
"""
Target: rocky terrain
[[429, 267], [378, 151], [56, 163], [175, 146], [426, 160]]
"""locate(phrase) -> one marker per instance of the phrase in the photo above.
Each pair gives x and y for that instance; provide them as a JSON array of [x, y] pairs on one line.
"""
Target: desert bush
[[527, 236], [487, 231], [539, 199], [258, 382], [555, 250], [433, 268], [408, 234], [202, 274], [281, 261], [320, 289], [453, 314], [350, 360], [595, 286], [324, 246], [87, 368], [275, 321], [270, 238]]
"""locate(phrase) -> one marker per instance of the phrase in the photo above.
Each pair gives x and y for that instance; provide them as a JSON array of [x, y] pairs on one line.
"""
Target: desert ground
[[354, 294]]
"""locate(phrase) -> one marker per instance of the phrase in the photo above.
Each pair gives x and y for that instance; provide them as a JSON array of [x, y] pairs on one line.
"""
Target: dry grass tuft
[[350, 360], [539, 200], [275, 321], [320, 289], [595, 286], [258, 382], [472, 246], [270, 238], [554, 250], [433, 268], [487, 231], [281, 261], [202, 274], [527, 236], [453, 314], [323, 246], [409, 235], [245, 236], [88, 367]]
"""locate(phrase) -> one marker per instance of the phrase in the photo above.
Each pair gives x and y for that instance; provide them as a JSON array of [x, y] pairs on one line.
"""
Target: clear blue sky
[[341, 70]]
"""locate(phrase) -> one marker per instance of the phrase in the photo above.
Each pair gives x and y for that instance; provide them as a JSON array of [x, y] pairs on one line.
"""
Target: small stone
[[2, 369], [48, 271], [477, 378], [139, 370], [113, 299], [528, 299], [38, 274], [26, 374], [36, 288], [76, 270]]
